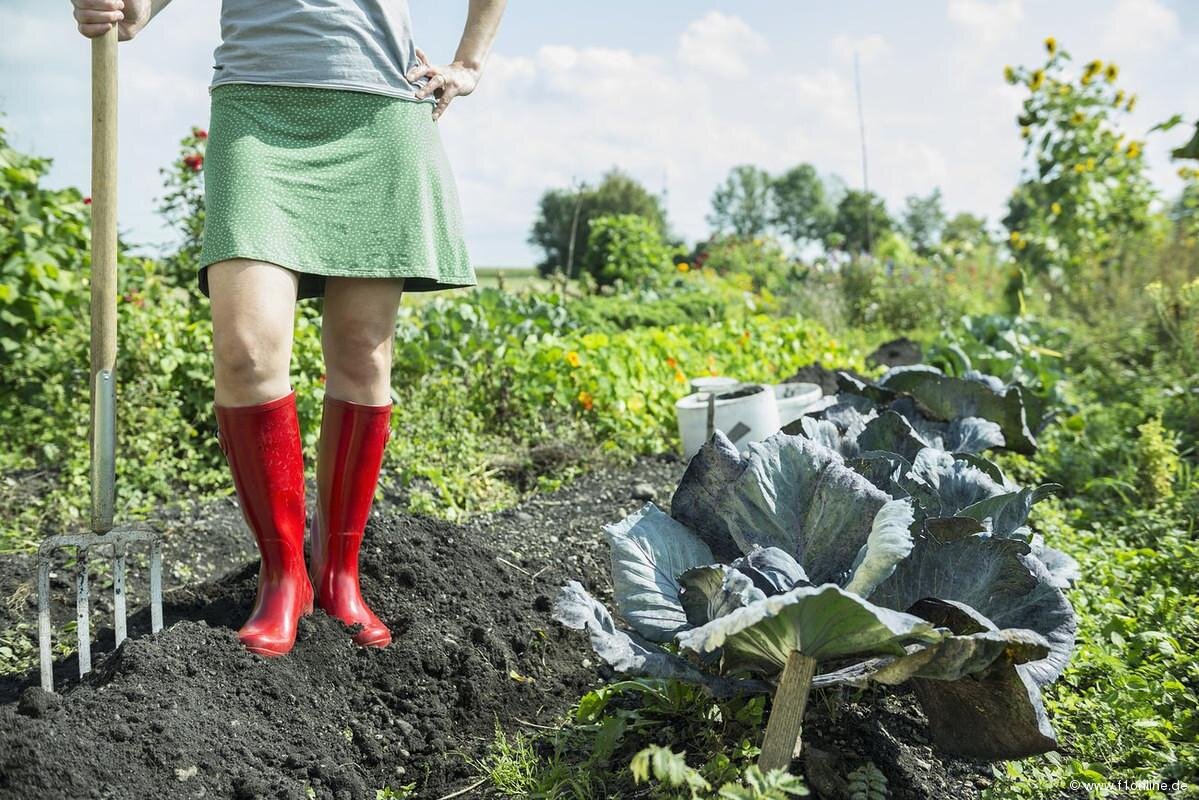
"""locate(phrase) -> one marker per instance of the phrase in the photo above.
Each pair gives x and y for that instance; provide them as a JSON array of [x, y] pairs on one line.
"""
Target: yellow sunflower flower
[[586, 400], [1111, 73], [1134, 149], [1051, 46], [1132, 103], [1077, 118], [1037, 79], [572, 358], [684, 266]]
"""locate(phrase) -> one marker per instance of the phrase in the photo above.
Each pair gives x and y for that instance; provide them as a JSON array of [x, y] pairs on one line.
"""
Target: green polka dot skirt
[[331, 182]]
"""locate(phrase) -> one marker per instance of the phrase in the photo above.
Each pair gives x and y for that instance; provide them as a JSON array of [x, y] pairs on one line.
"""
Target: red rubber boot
[[262, 445], [353, 436]]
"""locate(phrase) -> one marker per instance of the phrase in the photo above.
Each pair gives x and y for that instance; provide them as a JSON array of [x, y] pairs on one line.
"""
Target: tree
[[965, 229], [742, 204], [802, 210], [617, 193], [861, 220], [924, 221]]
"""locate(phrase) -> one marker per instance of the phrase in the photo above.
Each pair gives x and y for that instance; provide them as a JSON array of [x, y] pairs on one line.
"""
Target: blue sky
[[675, 92]]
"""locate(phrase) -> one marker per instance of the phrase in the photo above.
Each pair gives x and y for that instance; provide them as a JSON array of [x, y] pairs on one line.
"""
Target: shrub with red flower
[[183, 204]]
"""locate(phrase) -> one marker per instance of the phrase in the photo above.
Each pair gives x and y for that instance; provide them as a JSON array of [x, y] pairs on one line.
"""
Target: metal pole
[[857, 84]]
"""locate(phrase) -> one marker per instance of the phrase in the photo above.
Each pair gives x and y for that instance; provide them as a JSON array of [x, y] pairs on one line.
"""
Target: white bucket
[[745, 414], [796, 399]]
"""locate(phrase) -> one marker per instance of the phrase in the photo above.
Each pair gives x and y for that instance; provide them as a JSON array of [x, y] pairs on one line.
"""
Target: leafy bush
[[899, 298], [43, 251], [625, 247], [760, 258], [183, 207], [1157, 461]]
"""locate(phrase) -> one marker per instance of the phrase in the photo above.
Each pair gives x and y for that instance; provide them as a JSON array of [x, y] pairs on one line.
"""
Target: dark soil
[[820, 375], [189, 713], [901, 352]]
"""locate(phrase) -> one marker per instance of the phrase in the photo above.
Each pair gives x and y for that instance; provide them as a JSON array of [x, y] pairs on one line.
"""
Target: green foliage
[[562, 210], [923, 220], [44, 245], [760, 258], [964, 232], [183, 207], [1157, 461], [1018, 349], [901, 299], [867, 783], [802, 211], [861, 221], [742, 205], [668, 768], [625, 247], [1084, 193]]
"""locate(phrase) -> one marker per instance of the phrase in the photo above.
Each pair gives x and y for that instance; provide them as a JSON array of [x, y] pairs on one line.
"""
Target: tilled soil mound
[[189, 713]]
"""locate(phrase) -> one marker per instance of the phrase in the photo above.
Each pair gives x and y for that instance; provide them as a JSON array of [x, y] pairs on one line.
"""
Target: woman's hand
[[96, 17], [445, 83]]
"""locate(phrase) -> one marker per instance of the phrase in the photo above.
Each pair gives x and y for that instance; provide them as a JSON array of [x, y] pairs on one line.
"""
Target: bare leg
[[356, 336], [253, 325]]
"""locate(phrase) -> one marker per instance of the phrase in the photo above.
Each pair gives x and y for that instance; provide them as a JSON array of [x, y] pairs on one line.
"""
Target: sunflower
[[1111, 73], [1037, 79], [1051, 46]]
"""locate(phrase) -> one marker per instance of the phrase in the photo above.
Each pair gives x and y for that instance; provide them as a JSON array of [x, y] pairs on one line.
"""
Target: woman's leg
[[253, 324], [253, 317], [356, 334]]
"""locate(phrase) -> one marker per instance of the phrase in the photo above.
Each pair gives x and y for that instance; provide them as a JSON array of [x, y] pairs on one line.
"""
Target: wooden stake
[[781, 742]]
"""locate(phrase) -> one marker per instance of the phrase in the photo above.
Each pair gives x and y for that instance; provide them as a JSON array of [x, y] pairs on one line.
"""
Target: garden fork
[[103, 535]]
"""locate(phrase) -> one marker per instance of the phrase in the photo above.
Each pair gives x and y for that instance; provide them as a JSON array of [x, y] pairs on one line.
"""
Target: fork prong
[[43, 624], [118, 592], [155, 585], [82, 619]]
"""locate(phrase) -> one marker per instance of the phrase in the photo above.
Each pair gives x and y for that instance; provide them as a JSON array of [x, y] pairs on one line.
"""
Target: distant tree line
[[797, 206]]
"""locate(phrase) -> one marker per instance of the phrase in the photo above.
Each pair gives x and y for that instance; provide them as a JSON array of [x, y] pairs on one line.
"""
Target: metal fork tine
[[118, 592], [82, 619], [43, 625], [155, 586]]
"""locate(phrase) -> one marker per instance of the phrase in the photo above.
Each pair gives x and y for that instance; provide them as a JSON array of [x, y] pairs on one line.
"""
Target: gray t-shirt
[[365, 45]]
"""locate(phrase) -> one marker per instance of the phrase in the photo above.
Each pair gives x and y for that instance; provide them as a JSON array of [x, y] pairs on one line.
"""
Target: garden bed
[[190, 713]]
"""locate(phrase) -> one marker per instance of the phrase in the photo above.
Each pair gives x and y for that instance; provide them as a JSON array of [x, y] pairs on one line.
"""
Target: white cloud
[[868, 48], [719, 43], [987, 22], [1139, 26]]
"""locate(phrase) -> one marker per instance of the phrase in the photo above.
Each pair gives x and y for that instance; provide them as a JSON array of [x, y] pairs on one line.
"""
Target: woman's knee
[[359, 352]]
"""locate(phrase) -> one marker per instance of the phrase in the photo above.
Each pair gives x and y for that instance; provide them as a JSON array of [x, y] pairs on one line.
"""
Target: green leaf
[[1190, 149], [822, 622], [649, 551]]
